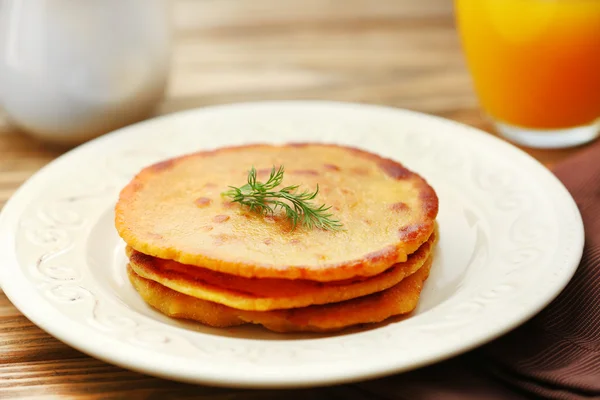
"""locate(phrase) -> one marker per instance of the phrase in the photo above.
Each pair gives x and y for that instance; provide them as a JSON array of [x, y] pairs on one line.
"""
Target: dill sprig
[[263, 199]]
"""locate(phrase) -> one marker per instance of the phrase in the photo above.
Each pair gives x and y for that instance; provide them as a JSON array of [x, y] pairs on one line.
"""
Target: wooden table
[[402, 53]]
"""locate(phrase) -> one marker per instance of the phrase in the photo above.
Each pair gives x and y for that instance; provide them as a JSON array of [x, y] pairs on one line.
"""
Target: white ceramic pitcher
[[71, 70]]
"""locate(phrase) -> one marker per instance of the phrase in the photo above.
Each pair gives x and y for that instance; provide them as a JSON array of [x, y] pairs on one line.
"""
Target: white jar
[[71, 70]]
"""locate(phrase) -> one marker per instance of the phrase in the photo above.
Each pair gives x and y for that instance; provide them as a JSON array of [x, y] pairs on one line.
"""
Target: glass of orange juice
[[535, 65]]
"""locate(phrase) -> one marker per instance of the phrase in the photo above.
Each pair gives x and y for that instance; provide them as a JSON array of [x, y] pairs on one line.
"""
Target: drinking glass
[[535, 65]]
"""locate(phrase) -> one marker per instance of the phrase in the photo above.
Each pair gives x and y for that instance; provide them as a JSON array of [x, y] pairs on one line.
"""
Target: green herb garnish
[[263, 199]]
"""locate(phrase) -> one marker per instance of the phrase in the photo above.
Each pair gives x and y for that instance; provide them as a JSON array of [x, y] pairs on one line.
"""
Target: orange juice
[[534, 63]]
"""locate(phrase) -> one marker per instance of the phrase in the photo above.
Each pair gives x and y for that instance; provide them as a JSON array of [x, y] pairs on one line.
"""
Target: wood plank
[[191, 14]]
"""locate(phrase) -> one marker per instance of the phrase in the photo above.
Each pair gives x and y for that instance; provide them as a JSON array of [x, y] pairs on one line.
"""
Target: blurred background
[[398, 52]]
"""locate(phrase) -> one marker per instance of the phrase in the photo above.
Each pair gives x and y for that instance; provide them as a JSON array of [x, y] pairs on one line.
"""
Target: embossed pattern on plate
[[511, 238]]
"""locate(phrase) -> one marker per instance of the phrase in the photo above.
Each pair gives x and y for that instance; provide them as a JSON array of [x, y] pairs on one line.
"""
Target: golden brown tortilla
[[174, 210], [399, 299]]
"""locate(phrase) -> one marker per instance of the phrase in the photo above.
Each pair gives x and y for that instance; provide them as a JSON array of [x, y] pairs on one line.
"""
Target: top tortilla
[[174, 210]]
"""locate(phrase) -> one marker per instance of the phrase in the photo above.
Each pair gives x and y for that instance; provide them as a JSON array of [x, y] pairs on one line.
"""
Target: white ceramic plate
[[510, 239]]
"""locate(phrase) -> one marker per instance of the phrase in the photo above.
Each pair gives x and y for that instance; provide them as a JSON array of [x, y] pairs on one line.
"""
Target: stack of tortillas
[[196, 254]]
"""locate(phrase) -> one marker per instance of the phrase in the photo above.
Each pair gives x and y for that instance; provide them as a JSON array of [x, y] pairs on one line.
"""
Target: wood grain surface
[[402, 53]]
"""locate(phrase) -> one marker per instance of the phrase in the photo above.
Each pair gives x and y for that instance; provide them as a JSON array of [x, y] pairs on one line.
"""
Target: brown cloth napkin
[[555, 355]]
